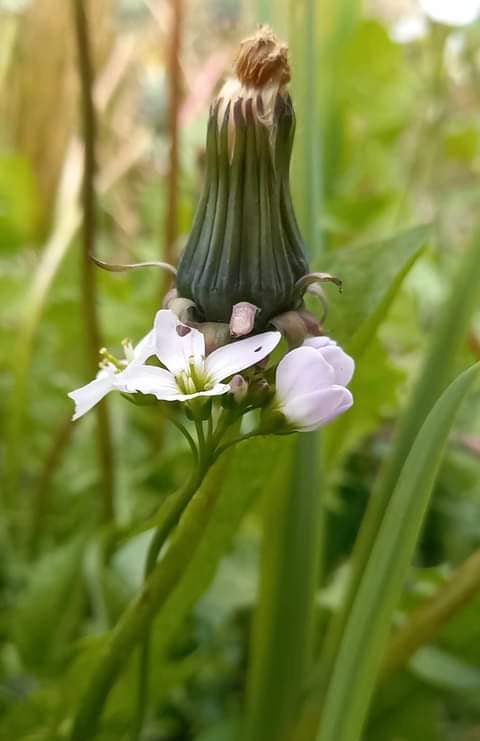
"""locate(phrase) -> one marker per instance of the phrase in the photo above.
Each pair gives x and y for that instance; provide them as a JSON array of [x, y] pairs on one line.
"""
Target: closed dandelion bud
[[245, 246]]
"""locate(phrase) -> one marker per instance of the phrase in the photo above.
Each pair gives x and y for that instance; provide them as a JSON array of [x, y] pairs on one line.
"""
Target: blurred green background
[[399, 101]]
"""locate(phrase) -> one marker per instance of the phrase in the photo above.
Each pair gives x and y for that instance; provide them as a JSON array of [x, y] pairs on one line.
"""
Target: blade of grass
[[175, 99], [366, 629], [67, 222], [92, 326], [307, 186], [438, 368]]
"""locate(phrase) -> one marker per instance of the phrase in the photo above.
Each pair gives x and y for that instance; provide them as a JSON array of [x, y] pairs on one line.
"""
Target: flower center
[[194, 379]]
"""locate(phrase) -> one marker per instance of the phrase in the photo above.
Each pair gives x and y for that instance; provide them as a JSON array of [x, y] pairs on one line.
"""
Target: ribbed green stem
[[139, 615], [173, 514], [283, 626]]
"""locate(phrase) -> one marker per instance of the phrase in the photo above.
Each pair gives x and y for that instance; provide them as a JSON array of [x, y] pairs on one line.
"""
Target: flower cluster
[[240, 281], [310, 381]]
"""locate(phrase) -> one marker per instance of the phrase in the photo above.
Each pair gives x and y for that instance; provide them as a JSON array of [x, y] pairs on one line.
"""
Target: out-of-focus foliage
[[401, 149]]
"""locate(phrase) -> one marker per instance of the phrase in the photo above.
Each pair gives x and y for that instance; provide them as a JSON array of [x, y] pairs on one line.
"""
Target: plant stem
[[282, 644], [175, 95], [186, 435], [284, 618], [104, 436], [138, 617], [158, 541], [201, 439], [427, 621], [235, 440]]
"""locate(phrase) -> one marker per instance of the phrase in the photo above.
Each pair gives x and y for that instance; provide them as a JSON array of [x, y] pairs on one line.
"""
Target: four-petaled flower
[[120, 376], [187, 374], [310, 384]]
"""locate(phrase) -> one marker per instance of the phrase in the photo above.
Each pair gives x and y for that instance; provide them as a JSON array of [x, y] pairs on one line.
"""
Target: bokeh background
[[400, 146]]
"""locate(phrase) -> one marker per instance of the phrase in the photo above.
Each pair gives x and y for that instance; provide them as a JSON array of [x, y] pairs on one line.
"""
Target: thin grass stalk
[[104, 435], [307, 185], [67, 222], [282, 640], [175, 100]]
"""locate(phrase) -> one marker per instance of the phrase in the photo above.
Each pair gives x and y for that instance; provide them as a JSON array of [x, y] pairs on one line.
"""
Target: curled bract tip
[[121, 268]]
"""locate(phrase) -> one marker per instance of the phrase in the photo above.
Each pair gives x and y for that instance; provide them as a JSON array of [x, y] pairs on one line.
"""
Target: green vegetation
[[310, 587]]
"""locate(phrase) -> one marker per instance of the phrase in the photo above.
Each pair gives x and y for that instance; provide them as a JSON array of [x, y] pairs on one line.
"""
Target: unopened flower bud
[[245, 245], [260, 392], [239, 388], [311, 385]]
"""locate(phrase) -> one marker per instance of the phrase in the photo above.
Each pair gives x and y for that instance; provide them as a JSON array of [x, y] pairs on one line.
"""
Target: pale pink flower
[[310, 384]]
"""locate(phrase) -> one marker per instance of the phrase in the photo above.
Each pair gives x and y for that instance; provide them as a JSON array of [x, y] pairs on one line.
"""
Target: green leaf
[[366, 630], [438, 367], [374, 387], [372, 67], [371, 275], [435, 375], [49, 608]]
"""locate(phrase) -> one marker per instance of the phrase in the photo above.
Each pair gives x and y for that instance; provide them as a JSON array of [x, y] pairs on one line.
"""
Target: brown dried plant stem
[[104, 436], [175, 92]]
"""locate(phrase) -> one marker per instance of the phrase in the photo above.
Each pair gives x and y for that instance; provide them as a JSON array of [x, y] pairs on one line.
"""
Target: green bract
[[245, 244]]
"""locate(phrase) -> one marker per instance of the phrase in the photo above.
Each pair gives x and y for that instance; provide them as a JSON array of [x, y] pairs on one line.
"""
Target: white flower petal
[[232, 358], [302, 371], [217, 390], [173, 350], [342, 364], [87, 396], [145, 348], [148, 379], [318, 342], [450, 12], [311, 411]]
